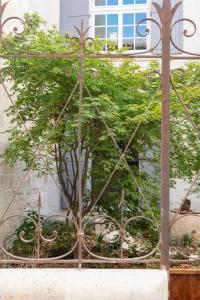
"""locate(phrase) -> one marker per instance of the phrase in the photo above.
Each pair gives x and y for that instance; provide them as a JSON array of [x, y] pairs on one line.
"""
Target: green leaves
[[116, 97]]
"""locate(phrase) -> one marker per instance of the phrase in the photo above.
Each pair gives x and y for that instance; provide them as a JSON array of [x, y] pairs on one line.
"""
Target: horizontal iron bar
[[185, 261], [113, 56], [75, 261]]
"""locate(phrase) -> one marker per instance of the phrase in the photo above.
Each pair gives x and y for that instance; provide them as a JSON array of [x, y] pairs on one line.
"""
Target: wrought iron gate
[[83, 49]]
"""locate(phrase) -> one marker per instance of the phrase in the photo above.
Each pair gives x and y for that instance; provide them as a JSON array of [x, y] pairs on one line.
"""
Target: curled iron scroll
[[147, 32], [37, 234], [185, 34], [3, 23], [120, 236]]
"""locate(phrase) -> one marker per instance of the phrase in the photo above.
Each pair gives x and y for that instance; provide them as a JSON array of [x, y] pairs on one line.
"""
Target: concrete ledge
[[88, 284]]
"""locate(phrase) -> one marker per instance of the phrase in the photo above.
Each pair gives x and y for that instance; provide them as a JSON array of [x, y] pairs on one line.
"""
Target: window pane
[[140, 1], [140, 44], [112, 19], [127, 2], [141, 31], [100, 2], [100, 20], [128, 43], [112, 32], [100, 32], [112, 2], [128, 19], [128, 31], [139, 17]]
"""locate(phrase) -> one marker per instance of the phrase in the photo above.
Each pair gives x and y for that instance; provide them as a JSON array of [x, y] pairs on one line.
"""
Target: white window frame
[[120, 9]]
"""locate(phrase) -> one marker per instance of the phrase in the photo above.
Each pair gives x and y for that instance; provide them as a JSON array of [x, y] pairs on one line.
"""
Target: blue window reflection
[[128, 19], [112, 32], [139, 17], [128, 31], [127, 2], [112, 2], [141, 31], [112, 19], [140, 1]]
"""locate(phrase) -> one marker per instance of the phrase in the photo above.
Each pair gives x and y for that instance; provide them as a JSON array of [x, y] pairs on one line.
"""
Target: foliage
[[28, 227], [104, 248], [62, 244], [64, 240], [121, 95], [186, 240], [185, 149]]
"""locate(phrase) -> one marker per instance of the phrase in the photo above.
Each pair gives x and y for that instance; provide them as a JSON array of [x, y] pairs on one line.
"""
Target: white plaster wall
[[177, 194], [49, 10], [192, 11], [11, 178], [68, 284]]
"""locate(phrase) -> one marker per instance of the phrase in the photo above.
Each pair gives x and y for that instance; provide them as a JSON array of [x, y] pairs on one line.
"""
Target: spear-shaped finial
[[39, 201], [122, 203]]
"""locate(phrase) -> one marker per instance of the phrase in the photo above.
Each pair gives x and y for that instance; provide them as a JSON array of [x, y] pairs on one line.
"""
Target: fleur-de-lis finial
[[166, 12], [2, 9]]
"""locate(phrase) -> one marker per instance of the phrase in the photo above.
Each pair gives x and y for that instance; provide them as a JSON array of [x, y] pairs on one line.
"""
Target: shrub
[[62, 231], [186, 240], [27, 227], [64, 240]]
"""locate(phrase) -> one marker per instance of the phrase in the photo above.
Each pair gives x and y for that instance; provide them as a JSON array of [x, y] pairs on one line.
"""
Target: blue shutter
[[177, 33], [72, 13]]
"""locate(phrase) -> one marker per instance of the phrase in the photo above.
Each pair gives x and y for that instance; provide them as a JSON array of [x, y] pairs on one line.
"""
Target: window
[[119, 2], [118, 24], [106, 27], [105, 2], [134, 2], [133, 35]]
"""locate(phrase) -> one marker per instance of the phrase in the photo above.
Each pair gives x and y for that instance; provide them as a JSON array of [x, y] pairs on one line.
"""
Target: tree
[[116, 97]]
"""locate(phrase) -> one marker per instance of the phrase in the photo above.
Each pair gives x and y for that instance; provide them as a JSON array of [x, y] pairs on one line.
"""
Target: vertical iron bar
[[81, 81], [165, 133], [39, 227]]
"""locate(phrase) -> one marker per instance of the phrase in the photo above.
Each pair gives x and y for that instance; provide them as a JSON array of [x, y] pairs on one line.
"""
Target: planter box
[[185, 284]]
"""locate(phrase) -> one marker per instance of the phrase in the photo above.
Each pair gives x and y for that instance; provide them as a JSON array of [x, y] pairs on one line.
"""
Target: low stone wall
[[73, 284]]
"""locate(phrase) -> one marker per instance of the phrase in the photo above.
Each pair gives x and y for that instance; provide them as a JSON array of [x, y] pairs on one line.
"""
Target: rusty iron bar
[[165, 15], [80, 193], [76, 261], [98, 55]]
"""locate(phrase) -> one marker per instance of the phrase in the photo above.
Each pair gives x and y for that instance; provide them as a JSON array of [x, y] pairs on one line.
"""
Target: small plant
[[105, 248], [64, 237], [60, 236], [132, 249], [186, 240], [27, 227]]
